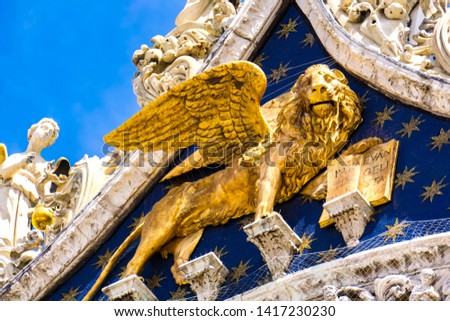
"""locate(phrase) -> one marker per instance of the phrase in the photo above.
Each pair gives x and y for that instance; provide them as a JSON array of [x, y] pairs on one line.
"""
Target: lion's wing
[[217, 110], [3, 153]]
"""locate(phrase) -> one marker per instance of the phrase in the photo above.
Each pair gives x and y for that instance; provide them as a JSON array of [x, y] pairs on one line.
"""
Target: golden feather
[[220, 104], [217, 110]]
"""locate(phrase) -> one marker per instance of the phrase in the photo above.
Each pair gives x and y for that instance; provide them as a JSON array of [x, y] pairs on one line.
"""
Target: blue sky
[[71, 61]]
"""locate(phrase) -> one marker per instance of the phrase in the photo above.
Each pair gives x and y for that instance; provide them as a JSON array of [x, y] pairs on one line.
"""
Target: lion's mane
[[310, 140]]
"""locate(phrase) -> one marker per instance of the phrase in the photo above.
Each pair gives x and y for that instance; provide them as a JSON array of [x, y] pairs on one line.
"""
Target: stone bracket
[[276, 241], [129, 289], [351, 213], [205, 274]]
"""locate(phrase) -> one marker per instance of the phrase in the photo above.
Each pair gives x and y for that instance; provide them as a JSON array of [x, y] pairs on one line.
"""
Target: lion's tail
[[113, 260]]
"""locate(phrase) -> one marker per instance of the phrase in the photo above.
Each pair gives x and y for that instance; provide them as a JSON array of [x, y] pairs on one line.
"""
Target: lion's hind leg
[[158, 230], [182, 249]]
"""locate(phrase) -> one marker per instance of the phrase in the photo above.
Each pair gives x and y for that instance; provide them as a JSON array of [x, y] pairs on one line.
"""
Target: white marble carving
[[110, 206], [412, 31], [425, 291], [46, 194], [205, 274], [393, 288], [347, 293], [129, 289], [24, 179], [351, 212], [15, 259], [180, 54], [388, 75], [276, 241], [102, 216], [441, 41], [217, 13], [446, 290], [390, 272], [85, 180]]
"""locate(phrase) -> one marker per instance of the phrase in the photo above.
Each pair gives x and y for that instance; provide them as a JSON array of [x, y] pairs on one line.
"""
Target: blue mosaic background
[[292, 47]]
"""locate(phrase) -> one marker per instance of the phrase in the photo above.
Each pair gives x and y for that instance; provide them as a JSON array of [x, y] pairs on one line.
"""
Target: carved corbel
[[276, 241], [129, 289], [205, 274], [351, 212]]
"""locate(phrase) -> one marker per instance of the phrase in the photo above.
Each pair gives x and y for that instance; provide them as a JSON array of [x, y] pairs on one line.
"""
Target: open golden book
[[372, 173]]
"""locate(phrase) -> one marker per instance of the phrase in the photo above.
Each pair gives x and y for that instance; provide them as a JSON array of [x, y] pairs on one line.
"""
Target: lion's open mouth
[[329, 102], [323, 108]]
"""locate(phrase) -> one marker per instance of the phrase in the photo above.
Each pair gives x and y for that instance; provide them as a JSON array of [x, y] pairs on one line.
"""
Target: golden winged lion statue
[[271, 152]]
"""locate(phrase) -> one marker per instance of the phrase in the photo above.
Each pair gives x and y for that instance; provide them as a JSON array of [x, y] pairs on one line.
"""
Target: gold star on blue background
[[287, 28]]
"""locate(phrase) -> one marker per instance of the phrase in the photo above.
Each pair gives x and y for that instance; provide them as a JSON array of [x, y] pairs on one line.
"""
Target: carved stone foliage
[[276, 241], [412, 31], [179, 55], [205, 275]]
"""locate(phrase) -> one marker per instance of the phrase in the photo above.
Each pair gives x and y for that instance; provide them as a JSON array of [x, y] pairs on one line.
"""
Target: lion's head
[[325, 92], [321, 99], [318, 119]]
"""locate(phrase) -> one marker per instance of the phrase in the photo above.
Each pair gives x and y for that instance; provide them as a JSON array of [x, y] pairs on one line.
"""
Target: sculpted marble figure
[[413, 31], [219, 111], [393, 288], [206, 11], [179, 55], [425, 290], [45, 195], [20, 174], [20, 177]]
